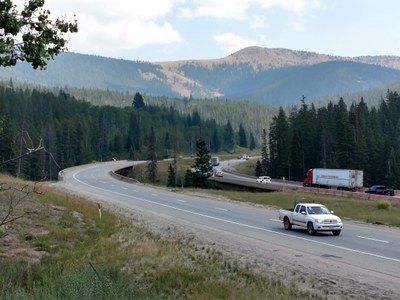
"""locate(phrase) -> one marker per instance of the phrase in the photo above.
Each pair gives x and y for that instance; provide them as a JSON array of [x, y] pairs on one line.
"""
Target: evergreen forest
[[42, 132], [68, 132], [338, 136]]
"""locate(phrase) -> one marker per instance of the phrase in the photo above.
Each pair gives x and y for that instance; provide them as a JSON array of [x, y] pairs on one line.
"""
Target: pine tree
[[188, 180], [252, 142], [242, 137], [196, 119], [228, 137], [134, 139], [171, 181], [6, 141], [264, 154], [279, 146], [152, 157], [138, 101], [202, 165], [326, 135], [215, 141], [344, 142]]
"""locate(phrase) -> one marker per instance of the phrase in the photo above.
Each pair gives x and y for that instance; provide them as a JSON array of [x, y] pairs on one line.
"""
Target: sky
[[171, 30]]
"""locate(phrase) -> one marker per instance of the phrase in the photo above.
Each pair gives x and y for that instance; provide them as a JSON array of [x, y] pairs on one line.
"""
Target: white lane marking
[[219, 208], [276, 220], [371, 239], [183, 201], [236, 223], [154, 195], [124, 188]]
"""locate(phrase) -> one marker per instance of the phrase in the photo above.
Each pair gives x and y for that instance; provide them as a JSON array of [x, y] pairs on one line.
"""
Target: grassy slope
[[116, 258]]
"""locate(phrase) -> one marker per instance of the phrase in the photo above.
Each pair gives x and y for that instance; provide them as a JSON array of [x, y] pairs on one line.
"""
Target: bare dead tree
[[11, 197], [26, 144]]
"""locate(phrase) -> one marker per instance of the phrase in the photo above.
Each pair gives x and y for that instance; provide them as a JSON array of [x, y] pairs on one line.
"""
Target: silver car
[[263, 179]]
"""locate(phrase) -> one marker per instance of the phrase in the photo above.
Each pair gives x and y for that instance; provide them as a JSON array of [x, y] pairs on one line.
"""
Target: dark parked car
[[380, 190]]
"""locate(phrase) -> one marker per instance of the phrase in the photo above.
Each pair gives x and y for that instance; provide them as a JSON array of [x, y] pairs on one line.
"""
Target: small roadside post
[[99, 206]]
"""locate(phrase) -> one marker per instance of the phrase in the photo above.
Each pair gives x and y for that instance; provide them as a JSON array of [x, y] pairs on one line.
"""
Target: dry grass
[[118, 257]]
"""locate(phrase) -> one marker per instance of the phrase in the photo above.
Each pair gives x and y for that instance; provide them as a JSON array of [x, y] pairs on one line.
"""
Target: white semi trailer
[[341, 179]]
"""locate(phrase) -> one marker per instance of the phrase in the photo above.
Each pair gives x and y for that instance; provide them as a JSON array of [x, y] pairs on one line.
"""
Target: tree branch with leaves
[[30, 34]]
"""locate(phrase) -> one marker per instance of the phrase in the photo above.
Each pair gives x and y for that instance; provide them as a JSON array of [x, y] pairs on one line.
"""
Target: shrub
[[383, 204]]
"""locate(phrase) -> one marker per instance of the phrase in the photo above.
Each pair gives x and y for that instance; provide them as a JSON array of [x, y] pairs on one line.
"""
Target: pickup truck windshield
[[317, 210]]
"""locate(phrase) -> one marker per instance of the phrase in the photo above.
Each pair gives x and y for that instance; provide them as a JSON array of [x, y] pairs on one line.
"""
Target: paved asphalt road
[[365, 246]]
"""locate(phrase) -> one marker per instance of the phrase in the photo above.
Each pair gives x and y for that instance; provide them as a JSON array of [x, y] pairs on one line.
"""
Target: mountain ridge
[[274, 76]]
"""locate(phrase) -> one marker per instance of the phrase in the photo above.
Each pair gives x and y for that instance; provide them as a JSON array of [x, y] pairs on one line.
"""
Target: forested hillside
[[269, 76], [93, 72], [254, 117], [338, 136], [68, 132], [286, 85]]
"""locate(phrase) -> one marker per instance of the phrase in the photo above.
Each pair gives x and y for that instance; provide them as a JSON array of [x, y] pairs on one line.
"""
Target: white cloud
[[232, 9], [128, 27], [129, 35], [112, 26], [237, 9], [230, 43], [295, 6], [114, 10]]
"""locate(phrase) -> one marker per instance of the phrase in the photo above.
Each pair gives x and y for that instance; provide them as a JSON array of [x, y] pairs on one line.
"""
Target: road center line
[[223, 209], [371, 239], [275, 220]]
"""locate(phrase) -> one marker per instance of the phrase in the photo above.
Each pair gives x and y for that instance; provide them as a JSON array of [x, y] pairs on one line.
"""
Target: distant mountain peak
[[277, 57]]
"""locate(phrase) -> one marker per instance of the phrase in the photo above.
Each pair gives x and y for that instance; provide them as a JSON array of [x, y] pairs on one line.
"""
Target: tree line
[[70, 132], [336, 136]]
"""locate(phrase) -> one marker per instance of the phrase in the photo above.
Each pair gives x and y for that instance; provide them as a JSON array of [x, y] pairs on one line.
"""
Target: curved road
[[367, 247]]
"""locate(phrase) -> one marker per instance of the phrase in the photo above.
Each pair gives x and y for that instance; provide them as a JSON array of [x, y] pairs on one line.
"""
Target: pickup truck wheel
[[335, 232], [310, 228], [286, 224]]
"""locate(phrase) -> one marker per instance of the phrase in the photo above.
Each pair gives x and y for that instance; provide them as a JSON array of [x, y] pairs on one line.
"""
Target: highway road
[[371, 250], [229, 165]]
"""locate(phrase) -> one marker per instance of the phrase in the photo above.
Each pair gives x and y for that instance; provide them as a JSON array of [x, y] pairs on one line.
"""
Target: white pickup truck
[[311, 216]]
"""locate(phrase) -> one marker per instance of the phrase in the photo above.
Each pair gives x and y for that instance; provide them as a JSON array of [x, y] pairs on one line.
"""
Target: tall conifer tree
[[152, 157], [202, 165]]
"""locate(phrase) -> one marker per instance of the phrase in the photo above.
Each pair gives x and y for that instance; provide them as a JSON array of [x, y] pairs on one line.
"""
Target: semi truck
[[215, 161], [341, 179]]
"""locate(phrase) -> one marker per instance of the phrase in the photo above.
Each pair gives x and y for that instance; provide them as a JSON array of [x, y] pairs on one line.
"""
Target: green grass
[[345, 207], [381, 212], [182, 165]]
